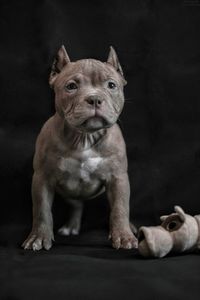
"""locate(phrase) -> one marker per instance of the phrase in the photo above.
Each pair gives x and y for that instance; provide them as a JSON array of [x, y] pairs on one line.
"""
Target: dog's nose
[[94, 101]]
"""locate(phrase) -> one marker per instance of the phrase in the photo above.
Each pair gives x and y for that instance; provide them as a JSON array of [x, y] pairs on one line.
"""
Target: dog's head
[[89, 93]]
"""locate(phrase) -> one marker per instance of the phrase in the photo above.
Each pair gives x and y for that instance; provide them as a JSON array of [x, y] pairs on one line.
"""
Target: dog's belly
[[80, 179]]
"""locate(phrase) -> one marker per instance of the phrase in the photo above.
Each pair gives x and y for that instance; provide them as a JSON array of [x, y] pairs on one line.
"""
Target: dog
[[80, 151]]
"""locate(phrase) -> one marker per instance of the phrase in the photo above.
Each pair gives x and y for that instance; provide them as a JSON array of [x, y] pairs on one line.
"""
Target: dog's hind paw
[[68, 230]]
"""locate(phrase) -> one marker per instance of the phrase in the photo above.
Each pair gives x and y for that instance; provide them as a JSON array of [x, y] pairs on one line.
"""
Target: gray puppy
[[80, 151]]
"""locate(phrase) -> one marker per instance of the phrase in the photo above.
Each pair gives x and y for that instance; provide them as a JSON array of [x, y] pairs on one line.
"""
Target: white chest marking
[[91, 164], [71, 165]]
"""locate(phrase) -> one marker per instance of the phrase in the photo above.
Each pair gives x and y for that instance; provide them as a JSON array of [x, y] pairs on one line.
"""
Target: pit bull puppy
[[80, 151]]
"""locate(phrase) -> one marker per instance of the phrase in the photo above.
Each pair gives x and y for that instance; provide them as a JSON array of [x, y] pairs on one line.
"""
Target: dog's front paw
[[123, 238], [38, 239]]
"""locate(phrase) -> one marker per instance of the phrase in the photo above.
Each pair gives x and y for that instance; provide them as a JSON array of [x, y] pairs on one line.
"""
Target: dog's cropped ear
[[114, 61], [61, 60]]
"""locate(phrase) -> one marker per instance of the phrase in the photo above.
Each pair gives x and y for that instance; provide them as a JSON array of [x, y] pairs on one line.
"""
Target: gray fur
[[80, 151]]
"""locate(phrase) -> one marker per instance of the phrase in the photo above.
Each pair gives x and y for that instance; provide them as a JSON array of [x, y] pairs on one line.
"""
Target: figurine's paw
[[38, 240], [123, 239], [69, 230]]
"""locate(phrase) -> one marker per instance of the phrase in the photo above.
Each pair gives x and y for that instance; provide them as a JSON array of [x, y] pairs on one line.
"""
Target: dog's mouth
[[92, 120], [95, 123]]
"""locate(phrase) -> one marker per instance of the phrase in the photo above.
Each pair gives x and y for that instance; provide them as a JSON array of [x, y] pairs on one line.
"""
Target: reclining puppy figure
[[178, 232]]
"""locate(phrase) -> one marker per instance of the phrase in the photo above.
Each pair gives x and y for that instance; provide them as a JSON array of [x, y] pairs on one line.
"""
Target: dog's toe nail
[[128, 246], [117, 243], [47, 245], [37, 245], [64, 231], [75, 231], [135, 244]]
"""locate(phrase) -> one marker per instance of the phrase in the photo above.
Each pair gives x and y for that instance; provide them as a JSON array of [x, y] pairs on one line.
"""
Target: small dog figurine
[[178, 232], [80, 151]]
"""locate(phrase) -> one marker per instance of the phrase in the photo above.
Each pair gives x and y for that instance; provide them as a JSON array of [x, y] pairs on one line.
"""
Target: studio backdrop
[[158, 45]]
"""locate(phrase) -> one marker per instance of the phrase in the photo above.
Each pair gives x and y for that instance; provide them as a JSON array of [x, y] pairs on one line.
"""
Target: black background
[[159, 49]]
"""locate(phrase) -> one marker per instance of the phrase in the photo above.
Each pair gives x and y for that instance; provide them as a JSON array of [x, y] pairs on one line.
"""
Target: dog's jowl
[[80, 151]]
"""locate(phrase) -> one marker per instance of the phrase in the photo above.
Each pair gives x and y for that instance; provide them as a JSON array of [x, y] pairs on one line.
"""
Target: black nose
[[94, 101]]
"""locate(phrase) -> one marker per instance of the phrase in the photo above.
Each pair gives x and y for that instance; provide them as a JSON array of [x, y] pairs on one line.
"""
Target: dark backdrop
[[158, 46], [159, 49]]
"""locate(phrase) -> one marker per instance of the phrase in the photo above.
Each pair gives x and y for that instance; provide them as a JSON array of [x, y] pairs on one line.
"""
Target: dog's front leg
[[41, 235], [118, 191]]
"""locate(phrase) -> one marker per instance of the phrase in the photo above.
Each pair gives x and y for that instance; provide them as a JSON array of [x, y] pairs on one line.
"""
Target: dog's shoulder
[[114, 139], [114, 148], [46, 133], [44, 142]]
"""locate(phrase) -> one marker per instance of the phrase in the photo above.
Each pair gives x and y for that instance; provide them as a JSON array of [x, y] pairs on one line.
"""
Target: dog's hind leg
[[73, 225]]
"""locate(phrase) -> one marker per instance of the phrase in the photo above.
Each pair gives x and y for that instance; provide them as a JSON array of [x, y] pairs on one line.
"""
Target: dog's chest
[[81, 169], [80, 175]]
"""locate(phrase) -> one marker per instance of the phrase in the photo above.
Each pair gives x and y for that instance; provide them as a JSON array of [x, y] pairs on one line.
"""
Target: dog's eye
[[71, 86], [111, 85]]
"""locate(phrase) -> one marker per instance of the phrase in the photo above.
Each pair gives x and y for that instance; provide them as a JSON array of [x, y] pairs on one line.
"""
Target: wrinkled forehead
[[89, 68]]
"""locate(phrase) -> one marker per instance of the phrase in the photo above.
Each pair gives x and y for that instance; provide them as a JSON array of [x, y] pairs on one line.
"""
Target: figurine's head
[[178, 232]]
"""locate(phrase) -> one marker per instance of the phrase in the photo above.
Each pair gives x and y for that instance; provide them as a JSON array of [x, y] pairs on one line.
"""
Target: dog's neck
[[75, 138]]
